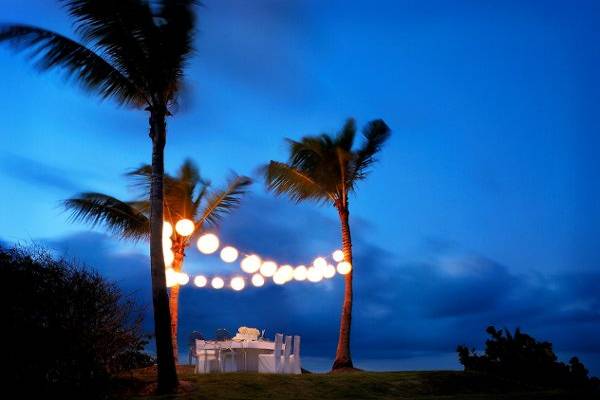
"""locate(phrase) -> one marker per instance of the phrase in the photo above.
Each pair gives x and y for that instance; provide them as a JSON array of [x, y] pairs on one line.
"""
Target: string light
[[279, 278], [344, 268], [268, 268], [329, 271], [171, 277], [258, 280], [229, 254], [200, 281], [167, 229], [185, 227], [237, 283], [208, 243], [182, 278], [320, 263], [300, 273], [169, 257], [287, 271], [251, 264], [338, 255], [217, 283], [314, 274]]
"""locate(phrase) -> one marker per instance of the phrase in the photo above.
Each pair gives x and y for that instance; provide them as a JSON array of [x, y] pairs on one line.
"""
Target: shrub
[[65, 329], [520, 357]]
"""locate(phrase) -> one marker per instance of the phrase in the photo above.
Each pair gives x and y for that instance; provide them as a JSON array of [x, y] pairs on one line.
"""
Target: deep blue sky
[[484, 207]]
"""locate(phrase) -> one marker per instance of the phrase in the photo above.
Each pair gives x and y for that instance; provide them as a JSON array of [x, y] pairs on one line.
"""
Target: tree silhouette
[[326, 169], [133, 52], [186, 195]]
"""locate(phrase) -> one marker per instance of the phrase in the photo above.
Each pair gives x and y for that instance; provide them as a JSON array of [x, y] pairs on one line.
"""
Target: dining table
[[245, 354]]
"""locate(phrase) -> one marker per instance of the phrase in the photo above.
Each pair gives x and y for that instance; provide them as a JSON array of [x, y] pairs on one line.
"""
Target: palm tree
[[133, 52], [186, 195], [326, 169]]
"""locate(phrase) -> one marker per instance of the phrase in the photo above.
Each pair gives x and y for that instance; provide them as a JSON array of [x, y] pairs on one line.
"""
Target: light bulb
[[344, 267], [338, 256], [250, 264], [268, 268], [229, 254], [258, 280], [208, 243], [185, 227]]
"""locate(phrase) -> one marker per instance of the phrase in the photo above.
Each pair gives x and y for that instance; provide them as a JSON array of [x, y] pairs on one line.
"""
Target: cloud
[[38, 173], [401, 309]]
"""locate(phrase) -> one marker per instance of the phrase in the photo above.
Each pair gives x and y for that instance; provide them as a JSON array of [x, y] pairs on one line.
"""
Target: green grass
[[352, 385]]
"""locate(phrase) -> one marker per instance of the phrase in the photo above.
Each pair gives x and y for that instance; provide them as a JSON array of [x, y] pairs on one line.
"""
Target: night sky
[[482, 210]]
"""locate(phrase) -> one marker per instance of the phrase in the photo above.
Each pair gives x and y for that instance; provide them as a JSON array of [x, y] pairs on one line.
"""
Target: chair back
[[296, 347], [222, 334], [277, 352], [287, 350]]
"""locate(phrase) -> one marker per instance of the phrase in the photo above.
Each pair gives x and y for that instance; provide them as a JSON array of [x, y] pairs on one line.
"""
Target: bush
[[524, 359], [65, 330]]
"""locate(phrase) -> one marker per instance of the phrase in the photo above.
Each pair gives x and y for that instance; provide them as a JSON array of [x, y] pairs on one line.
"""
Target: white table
[[246, 352]]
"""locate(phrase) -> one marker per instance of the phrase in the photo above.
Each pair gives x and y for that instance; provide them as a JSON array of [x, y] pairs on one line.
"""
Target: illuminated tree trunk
[[174, 302], [343, 358], [167, 374]]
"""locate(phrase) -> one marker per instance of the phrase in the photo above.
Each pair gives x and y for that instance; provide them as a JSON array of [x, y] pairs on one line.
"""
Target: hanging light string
[[254, 266]]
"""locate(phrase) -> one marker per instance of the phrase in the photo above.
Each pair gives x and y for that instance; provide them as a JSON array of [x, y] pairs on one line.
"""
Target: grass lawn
[[352, 385]]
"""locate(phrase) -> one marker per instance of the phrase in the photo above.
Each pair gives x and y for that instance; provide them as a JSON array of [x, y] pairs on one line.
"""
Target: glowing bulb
[[167, 229], [208, 243], [320, 263], [185, 227], [338, 256], [279, 278], [287, 271], [314, 274], [237, 283], [169, 257], [182, 278], [344, 267], [268, 268], [258, 280], [217, 283], [251, 264], [200, 281], [229, 254], [329, 271], [300, 273], [167, 244], [171, 277]]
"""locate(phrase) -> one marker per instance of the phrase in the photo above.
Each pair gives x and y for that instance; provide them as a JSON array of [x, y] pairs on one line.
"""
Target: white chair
[[271, 363], [227, 358], [287, 352], [207, 360], [294, 366]]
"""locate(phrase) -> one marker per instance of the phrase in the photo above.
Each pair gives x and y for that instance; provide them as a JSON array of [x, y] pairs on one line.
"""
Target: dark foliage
[[65, 330], [520, 357]]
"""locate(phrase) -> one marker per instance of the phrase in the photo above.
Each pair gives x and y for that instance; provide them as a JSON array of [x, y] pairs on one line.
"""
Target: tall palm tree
[[133, 52], [326, 169], [186, 195]]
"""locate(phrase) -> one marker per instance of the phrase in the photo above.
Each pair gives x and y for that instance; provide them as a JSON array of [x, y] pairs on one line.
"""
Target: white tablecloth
[[245, 354]]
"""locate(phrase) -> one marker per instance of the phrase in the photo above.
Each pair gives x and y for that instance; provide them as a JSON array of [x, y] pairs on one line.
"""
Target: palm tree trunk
[[167, 374], [342, 355], [174, 303]]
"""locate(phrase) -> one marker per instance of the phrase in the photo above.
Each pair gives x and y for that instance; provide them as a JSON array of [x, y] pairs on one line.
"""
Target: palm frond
[[345, 138], [51, 50], [178, 31], [124, 30], [120, 218], [224, 201], [282, 178], [376, 133]]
